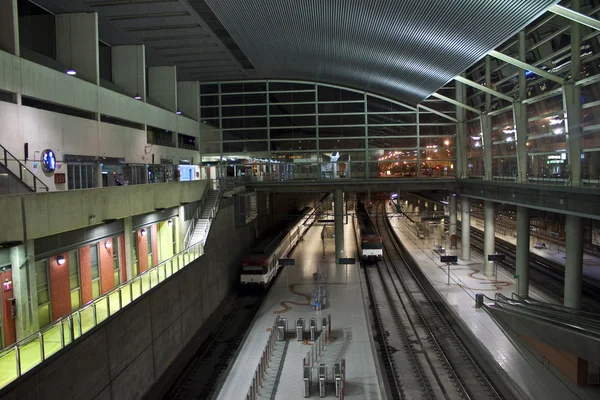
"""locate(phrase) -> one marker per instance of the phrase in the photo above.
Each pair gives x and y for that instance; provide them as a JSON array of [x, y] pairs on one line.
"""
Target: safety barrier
[[261, 369], [32, 350]]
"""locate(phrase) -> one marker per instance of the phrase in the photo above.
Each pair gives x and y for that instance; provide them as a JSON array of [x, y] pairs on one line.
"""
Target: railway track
[[423, 357], [200, 377], [547, 276]]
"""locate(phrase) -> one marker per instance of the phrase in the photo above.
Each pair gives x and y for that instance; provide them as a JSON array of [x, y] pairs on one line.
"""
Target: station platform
[[552, 252], [289, 298], [533, 377]]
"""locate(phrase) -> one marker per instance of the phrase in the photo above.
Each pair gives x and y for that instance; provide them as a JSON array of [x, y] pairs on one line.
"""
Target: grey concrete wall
[[125, 355]]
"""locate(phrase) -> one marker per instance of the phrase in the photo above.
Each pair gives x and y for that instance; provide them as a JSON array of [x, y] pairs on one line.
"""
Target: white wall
[[65, 134]]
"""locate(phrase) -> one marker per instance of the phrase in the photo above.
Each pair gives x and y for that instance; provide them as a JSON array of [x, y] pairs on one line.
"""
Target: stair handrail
[[22, 166], [192, 226]]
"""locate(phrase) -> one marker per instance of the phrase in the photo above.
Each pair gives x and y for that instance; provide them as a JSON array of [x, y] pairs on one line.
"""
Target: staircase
[[203, 223], [15, 177]]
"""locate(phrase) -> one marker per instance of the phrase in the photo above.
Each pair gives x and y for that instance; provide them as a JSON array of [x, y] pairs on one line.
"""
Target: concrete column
[[129, 69], [452, 213], [24, 289], [465, 209], [520, 117], [572, 103], [188, 99], [523, 251], [127, 233], [162, 85], [77, 44], [338, 220], [9, 26], [573, 261], [486, 124], [461, 132], [179, 230], [489, 235]]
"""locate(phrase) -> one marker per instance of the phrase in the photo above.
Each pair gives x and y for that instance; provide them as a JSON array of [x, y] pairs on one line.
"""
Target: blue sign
[[48, 161]]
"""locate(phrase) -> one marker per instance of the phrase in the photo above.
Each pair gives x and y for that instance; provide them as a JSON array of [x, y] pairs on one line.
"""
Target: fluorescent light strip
[[148, 16], [162, 27]]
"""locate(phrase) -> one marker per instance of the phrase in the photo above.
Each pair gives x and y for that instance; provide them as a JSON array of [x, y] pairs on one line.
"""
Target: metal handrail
[[114, 303], [21, 168]]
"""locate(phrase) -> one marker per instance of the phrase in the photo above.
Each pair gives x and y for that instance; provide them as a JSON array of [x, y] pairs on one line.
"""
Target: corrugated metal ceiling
[[403, 49]]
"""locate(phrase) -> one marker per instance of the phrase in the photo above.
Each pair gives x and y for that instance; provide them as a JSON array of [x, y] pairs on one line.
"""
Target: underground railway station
[[258, 199]]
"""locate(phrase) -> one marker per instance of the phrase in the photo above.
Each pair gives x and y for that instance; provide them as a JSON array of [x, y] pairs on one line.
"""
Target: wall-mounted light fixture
[[71, 72], [170, 222], [137, 96], [60, 260], [143, 232], [178, 112], [107, 244]]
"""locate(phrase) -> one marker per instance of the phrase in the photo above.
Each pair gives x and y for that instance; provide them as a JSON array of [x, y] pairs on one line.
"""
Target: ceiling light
[[170, 222], [71, 72], [143, 232], [137, 96], [60, 260], [178, 112], [107, 244]]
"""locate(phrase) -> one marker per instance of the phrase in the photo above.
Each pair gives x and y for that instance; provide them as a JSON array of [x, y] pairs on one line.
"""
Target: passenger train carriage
[[370, 245], [260, 267]]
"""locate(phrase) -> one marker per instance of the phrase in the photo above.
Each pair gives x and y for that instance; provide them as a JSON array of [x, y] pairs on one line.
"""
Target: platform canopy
[[403, 49]]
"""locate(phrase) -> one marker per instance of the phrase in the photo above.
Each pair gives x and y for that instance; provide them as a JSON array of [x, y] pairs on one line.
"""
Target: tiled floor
[[287, 299], [535, 379]]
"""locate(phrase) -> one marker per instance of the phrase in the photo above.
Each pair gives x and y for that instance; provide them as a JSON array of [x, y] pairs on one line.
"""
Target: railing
[[261, 369], [16, 167], [22, 356], [192, 226]]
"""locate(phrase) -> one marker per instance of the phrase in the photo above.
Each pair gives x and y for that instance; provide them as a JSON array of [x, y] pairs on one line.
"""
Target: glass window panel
[[94, 261], [77, 176], [115, 249], [73, 260], [290, 109], [44, 315], [41, 276], [117, 277], [149, 238], [96, 288], [75, 299]]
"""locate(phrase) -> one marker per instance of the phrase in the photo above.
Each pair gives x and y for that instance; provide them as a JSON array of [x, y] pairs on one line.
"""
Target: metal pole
[[573, 261]]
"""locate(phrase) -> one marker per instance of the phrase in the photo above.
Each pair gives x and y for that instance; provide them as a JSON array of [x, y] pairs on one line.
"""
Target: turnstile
[[281, 329], [322, 380], [307, 381], [300, 329], [337, 374], [313, 329]]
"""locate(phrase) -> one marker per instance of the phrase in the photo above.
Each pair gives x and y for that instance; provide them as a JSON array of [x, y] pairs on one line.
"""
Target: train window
[[371, 245]]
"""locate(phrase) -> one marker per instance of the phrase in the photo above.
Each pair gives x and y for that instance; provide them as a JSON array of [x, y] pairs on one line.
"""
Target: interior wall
[[124, 356]]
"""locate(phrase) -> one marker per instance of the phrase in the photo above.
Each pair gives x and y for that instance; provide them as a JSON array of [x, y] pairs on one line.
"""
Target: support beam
[[77, 44], [456, 103], [486, 126], [129, 69], [489, 236], [452, 213], [575, 16], [525, 66], [441, 114], [573, 261], [461, 133], [520, 117], [485, 89], [338, 220], [9, 27], [522, 260], [465, 240]]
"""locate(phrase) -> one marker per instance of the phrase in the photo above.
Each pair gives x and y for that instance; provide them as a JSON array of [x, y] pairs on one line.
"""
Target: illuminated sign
[[48, 161]]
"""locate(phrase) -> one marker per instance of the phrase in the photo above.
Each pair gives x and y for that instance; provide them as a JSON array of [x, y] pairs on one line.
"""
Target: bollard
[[478, 300]]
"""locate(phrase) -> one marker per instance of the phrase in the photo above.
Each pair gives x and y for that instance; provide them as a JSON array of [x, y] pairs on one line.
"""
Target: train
[[260, 266], [370, 245]]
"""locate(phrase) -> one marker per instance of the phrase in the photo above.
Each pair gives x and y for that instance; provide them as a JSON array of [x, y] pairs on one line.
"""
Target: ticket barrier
[[324, 329], [307, 381], [281, 329], [300, 329], [337, 373], [322, 380], [313, 329]]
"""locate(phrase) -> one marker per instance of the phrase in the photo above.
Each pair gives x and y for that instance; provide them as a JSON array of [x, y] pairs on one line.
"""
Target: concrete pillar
[[188, 99], [179, 230], [573, 261], [9, 26], [572, 103], [452, 213], [129, 69], [523, 251], [128, 234], [486, 124], [338, 220], [489, 235], [162, 85], [22, 259], [520, 117], [77, 44], [465, 209]]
